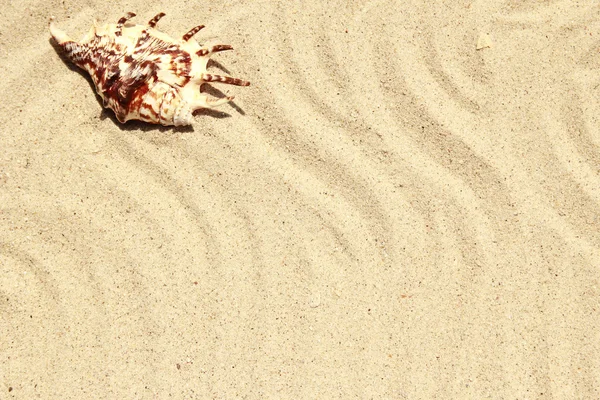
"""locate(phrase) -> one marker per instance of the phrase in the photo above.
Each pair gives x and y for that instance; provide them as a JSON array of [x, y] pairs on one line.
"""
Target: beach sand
[[405, 204]]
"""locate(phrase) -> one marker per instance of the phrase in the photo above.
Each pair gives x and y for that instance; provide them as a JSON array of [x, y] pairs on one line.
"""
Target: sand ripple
[[386, 212]]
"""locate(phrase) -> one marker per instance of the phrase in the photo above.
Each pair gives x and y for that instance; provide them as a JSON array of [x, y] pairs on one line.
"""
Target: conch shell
[[144, 74]]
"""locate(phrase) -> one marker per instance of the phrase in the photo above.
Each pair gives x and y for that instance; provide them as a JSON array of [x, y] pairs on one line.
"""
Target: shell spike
[[157, 17], [224, 79], [192, 32], [76, 52], [217, 102], [205, 102], [214, 49], [122, 22], [60, 36]]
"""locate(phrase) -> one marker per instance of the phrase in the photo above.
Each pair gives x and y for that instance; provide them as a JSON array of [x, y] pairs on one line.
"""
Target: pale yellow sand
[[386, 212]]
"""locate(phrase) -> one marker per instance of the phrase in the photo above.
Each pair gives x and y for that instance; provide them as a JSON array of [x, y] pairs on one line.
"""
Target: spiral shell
[[144, 74]]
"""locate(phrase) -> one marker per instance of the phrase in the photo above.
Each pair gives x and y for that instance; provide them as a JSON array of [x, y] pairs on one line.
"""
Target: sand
[[405, 204]]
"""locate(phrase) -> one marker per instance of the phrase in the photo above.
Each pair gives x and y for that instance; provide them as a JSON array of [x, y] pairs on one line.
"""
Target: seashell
[[144, 74]]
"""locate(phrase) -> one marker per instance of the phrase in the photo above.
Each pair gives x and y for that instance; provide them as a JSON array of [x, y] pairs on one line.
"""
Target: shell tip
[[56, 33]]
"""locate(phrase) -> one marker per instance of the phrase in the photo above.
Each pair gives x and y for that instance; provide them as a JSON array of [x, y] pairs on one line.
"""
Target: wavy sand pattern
[[386, 212]]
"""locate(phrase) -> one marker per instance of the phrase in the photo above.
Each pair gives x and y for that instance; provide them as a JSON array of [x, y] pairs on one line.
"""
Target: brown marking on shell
[[142, 73]]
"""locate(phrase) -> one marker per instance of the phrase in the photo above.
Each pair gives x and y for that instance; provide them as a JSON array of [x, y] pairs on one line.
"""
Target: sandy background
[[386, 212]]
